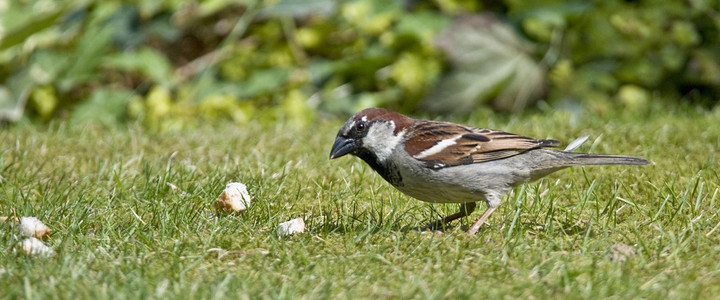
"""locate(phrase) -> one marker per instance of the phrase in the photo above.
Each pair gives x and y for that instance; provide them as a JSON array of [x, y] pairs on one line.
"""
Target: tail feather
[[580, 159], [570, 158], [547, 161]]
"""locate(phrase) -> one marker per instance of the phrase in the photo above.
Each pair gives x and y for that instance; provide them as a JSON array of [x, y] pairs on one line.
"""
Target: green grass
[[121, 231]]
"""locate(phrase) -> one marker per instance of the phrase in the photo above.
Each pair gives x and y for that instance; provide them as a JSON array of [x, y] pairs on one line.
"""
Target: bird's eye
[[360, 126]]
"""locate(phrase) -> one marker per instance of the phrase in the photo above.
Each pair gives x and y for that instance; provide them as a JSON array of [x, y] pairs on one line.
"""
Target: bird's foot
[[435, 226]]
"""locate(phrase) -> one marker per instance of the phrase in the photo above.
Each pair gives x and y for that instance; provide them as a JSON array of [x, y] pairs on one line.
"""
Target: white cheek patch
[[437, 148], [381, 139]]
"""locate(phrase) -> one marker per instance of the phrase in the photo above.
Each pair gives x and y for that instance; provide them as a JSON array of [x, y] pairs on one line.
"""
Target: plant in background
[[604, 49], [288, 59], [491, 63], [220, 59]]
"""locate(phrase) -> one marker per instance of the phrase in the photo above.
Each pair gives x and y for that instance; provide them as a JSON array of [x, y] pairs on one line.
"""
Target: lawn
[[132, 216]]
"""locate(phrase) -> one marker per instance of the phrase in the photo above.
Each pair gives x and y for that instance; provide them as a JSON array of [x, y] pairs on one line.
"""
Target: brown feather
[[471, 145]]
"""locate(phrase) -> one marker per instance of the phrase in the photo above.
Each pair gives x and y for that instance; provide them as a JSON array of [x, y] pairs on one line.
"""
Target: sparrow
[[443, 162]]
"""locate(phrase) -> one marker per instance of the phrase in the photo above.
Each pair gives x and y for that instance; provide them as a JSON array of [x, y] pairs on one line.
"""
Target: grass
[[122, 231]]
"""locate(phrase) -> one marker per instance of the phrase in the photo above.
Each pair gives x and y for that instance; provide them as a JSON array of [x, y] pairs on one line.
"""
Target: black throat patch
[[388, 171]]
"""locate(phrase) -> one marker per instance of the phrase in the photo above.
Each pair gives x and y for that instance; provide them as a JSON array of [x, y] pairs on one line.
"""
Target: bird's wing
[[444, 144]]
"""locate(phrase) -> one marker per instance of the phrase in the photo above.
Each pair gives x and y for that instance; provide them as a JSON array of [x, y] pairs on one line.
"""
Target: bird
[[444, 162]]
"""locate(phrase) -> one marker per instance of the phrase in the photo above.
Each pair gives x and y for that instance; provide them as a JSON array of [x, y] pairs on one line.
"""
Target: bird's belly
[[459, 184], [438, 192]]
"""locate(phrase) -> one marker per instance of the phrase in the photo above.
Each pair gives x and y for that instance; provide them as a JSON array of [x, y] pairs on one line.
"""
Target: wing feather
[[444, 144]]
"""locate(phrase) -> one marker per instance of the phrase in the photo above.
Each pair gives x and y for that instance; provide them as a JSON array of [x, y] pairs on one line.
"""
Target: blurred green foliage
[[172, 64]]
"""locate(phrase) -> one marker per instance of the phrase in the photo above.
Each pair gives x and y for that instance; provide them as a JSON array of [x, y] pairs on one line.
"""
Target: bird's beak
[[341, 147]]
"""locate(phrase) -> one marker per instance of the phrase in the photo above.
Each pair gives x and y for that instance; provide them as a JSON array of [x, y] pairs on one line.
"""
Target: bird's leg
[[480, 221], [465, 210], [493, 201]]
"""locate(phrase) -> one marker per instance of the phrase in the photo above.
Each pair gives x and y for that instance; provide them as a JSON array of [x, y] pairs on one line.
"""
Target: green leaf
[[262, 82], [105, 106], [423, 25], [490, 61], [299, 8], [45, 101], [320, 69], [13, 96], [86, 57], [551, 13], [18, 34], [146, 61], [48, 65]]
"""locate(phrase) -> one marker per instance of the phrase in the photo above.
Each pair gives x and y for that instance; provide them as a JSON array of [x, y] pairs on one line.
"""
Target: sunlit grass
[[121, 229]]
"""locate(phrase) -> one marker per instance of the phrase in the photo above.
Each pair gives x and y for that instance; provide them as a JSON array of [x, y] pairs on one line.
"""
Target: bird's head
[[372, 133]]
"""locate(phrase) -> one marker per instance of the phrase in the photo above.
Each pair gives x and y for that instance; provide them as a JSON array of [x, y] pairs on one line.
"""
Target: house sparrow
[[443, 162]]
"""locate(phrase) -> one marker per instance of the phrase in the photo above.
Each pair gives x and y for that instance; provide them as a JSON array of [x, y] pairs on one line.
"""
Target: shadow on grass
[[365, 228]]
